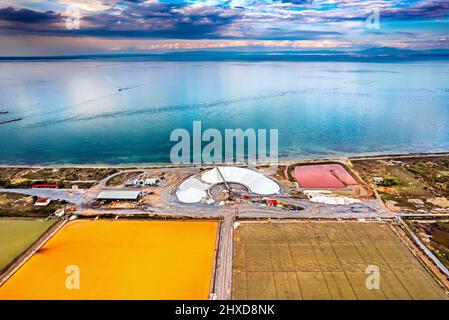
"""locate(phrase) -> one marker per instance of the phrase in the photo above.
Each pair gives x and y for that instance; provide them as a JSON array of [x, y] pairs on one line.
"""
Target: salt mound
[[191, 195], [194, 184], [325, 197], [334, 200], [191, 190], [255, 181]]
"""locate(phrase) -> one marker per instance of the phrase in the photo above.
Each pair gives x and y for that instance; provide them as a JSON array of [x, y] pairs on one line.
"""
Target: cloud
[[428, 10], [160, 20], [268, 21], [298, 1], [28, 16], [90, 5]]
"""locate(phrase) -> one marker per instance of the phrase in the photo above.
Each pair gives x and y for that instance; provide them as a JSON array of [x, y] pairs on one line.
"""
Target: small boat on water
[[4, 112]]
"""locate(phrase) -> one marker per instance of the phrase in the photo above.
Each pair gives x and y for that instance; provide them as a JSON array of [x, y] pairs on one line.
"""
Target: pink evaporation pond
[[323, 176]]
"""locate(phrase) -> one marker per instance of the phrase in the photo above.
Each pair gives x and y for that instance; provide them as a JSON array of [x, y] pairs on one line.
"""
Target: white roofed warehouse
[[119, 195]]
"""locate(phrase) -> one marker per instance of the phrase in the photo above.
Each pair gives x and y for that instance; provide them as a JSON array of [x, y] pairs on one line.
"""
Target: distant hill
[[387, 51], [368, 55]]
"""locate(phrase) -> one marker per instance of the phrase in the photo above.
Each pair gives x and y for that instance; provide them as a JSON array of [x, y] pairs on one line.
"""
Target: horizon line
[[287, 55]]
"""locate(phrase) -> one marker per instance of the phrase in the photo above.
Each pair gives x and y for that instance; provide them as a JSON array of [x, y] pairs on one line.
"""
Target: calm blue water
[[73, 112]]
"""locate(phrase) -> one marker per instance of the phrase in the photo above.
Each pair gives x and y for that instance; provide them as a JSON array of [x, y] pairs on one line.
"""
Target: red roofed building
[[45, 185], [42, 202], [272, 202]]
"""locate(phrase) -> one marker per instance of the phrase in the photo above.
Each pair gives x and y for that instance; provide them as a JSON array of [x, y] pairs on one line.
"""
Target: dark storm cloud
[[190, 20], [28, 16], [147, 20], [421, 11], [429, 10], [162, 20]]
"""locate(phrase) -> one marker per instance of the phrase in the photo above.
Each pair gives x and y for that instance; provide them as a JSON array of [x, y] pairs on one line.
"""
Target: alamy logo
[[73, 17], [373, 280], [72, 281], [240, 146], [373, 20]]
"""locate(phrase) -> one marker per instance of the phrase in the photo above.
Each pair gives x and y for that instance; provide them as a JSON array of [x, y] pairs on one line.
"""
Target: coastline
[[282, 161]]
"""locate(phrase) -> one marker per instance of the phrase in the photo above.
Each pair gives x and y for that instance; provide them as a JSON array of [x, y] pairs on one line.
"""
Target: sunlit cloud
[[89, 5], [205, 24]]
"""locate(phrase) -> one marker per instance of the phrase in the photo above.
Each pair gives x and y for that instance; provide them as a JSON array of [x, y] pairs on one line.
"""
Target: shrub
[[389, 182]]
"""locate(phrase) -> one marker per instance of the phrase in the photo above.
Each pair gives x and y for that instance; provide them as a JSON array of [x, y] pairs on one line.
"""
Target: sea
[[123, 112]]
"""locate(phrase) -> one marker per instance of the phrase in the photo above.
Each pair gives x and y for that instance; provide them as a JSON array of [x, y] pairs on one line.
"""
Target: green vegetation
[[5, 183], [26, 184], [401, 186], [64, 177], [17, 235], [437, 233], [17, 205], [412, 184], [8, 173], [389, 182], [434, 172], [122, 178], [67, 173]]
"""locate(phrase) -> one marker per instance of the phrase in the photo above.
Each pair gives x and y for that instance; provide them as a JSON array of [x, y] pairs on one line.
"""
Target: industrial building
[[44, 186], [142, 182], [122, 195], [42, 202]]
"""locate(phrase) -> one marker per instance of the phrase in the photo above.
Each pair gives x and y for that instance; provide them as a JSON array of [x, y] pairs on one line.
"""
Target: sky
[[60, 27]]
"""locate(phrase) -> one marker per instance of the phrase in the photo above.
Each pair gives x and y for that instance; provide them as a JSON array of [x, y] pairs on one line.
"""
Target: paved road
[[223, 285], [69, 195], [423, 247], [102, 184]]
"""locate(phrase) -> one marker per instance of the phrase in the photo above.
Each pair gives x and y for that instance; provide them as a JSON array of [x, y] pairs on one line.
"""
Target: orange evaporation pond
[[323, 176], [120, 260]]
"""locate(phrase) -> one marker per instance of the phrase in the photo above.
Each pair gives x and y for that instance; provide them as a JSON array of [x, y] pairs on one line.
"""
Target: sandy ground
[[316, 260], [418, 184]]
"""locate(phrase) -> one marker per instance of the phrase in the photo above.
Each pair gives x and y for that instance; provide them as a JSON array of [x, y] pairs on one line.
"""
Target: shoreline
[[286, 161]]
